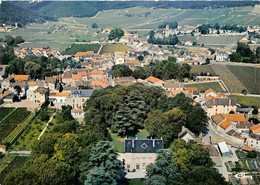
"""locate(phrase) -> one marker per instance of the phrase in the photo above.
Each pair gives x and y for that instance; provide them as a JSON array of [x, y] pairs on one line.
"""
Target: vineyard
[[114, 48], [205, 86], [197, 69], [4, 111], [232, 82], [82, 48], [247, 100], [16, 163], [12, 121]]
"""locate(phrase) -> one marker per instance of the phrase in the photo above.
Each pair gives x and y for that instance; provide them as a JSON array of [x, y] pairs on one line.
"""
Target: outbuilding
[[223, 148]]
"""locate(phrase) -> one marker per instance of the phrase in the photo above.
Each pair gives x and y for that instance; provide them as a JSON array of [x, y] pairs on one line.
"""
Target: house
[[23, 85], [154, 81], [222, 56], [78, 114], [223, 148], [78, 98], [173, 86], [140, 152], [37, 94], [186, 134], [2, 71], [59, 99], [21, 78], [216, 106]]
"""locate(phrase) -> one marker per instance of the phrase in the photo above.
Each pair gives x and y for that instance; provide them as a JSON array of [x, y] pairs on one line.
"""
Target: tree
[[244, 91], [164, 170], [105, 167], [94, 25], [121, 71], [141, 72], [130, 116], [202, 175], [255, 111], [33, 69], [140, 57], [188, 155], [116, 33], [166, 125], [244, 50], [235, 57], [257, 53]]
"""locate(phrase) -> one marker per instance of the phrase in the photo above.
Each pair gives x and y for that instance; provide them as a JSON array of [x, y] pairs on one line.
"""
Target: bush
[[44, 116], [251, 154], [255, 111]]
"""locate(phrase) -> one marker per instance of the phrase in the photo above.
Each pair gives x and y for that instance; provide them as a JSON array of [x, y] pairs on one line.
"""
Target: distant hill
[[25, 12]]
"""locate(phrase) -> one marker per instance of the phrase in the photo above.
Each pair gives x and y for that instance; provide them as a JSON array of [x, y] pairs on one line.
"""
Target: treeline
[[89, 9], [125, 110], [11, 14], [204, 29], [245, 54], [171, 40], [171, 25], [164, 70]]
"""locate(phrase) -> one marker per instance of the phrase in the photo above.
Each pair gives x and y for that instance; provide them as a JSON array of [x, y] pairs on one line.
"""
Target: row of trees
[[245, 54], [172, 25], [184, 163], [171, 40], [204, 29], [164, 70], [126, 109]]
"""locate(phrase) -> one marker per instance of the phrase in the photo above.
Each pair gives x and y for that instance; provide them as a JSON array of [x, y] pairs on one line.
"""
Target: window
[[137, 166], [128, 166]]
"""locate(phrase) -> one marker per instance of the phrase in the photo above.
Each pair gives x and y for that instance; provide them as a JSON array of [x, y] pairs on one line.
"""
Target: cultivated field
[[82, 48], [111, 48], [202, 87], [247, 100], [197, 69], [248, 76], [66, 31]]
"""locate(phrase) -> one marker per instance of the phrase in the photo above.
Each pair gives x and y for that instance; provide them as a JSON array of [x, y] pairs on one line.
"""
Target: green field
[[111, 48], [118, 142], [197, 69], [82, 48], [248, 76], [66, 31], [4, 111], [247, 100], [205, 86]]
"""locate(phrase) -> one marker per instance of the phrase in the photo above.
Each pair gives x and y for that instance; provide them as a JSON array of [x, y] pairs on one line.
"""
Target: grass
[[196, 69], [136, 181], [111, 48], [17, 130], [31, 133], [82, 48], [247, 100], [118, 142], [248, 76], [205, 86]]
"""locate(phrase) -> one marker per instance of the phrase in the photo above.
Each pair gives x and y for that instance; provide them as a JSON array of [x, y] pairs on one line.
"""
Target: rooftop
[[143, 146]]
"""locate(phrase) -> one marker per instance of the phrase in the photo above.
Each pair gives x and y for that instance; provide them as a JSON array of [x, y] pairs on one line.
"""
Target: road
[[47, 125]]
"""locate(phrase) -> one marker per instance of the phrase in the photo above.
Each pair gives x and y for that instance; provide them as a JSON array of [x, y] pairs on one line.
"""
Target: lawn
[[136, 181], [247, 100], [111, 48], [248, 76], [197, 69], [205, 86], [81, 48], [118, 142]]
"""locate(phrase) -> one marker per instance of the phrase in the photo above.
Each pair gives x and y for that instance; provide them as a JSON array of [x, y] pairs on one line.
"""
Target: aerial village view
[[129, 93]]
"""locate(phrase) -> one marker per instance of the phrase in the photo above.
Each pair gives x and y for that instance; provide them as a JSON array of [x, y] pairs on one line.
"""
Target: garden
[[12, 121], [247, 100], [32, 131], [4, 111]]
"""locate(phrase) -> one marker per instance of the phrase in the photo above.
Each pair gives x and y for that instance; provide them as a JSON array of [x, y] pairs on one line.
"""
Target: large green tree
[[164, 170], [121, 70], [105, 167]]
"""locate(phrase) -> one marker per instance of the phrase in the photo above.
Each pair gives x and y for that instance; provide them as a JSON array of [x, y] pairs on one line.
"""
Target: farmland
[[197, 69], [248, 76], [205, 86], [82, 48], [4, 111], [12, 121], [14, 162], [111, 48], [247, 100], [64, 32]]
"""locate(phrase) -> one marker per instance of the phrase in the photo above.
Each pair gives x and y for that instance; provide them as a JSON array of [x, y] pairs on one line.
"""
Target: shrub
[[251, 154]]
